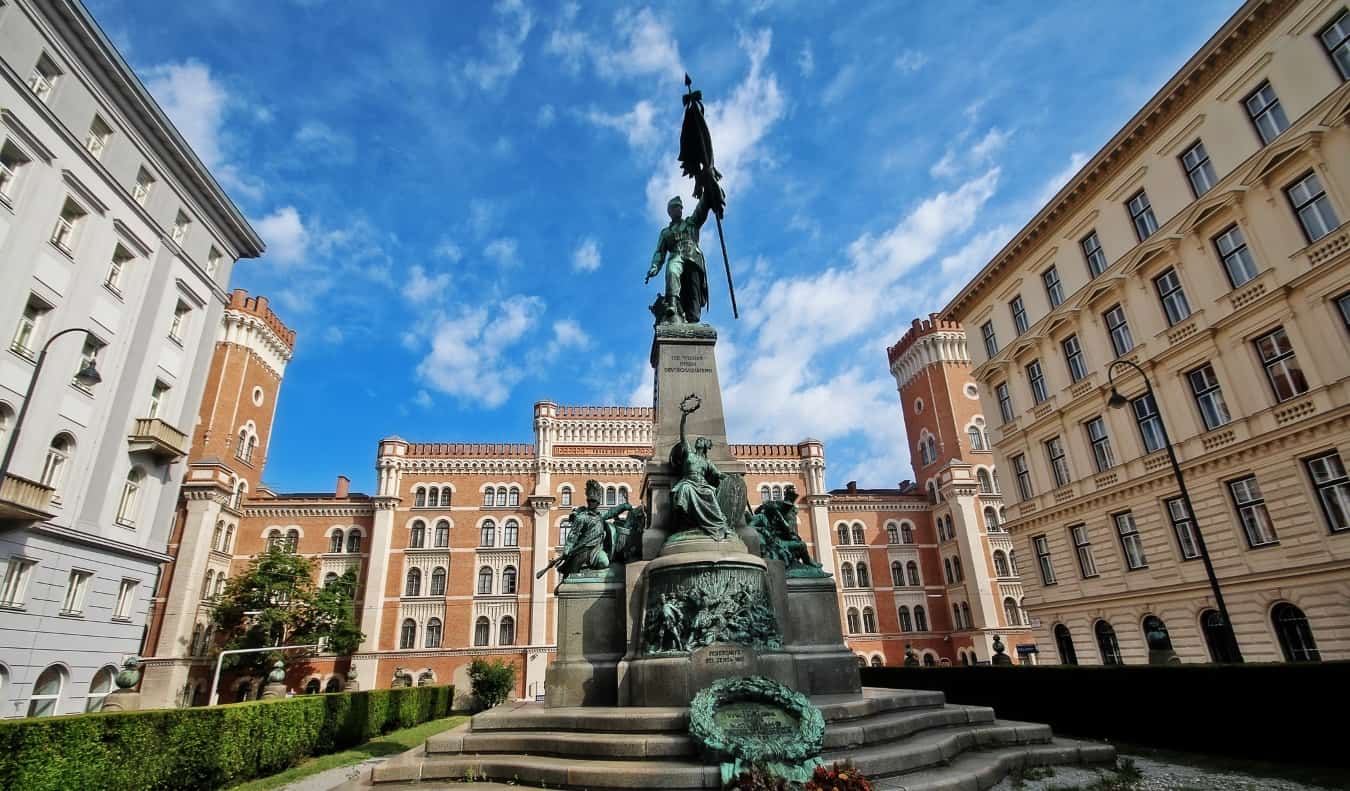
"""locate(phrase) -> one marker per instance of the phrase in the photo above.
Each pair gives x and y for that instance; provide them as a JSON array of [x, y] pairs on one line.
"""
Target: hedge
[[211, 747], [1276, 712]]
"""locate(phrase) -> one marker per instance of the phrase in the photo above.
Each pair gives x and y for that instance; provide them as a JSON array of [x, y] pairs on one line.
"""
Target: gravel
[[1157, 776]]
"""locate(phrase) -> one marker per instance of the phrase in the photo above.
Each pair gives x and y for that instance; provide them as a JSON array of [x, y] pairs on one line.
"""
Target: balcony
[[159, 439], [21, 498]]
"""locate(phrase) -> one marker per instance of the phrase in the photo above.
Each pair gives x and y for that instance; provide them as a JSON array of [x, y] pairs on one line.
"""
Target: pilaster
[[372, 603]]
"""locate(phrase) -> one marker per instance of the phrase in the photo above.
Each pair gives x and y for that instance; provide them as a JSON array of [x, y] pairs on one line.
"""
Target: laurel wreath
[[704, 729]]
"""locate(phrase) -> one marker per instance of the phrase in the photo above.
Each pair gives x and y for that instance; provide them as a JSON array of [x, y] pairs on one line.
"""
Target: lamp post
[[1116, 401], [87, 376]]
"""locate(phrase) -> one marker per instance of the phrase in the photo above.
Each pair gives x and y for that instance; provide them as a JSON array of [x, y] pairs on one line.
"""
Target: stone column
[[980, 588]]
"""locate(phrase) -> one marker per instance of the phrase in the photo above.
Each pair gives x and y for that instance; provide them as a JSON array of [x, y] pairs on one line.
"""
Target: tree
[[276, 602], [491, 681]]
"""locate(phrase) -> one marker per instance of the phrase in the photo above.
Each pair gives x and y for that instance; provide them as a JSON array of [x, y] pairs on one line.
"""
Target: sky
[[460, 200]]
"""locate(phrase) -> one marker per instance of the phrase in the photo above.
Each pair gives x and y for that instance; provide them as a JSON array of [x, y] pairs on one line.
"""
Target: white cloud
[[806, 61], [963, 155], [197, 105], [504, 251], [1056, 182], [544, 119], [504, 55], [316, 137], [285, 235], [586, 258], [448, 250], [468, 356], [839, 86], [421, 288], [910, 61], [643, 46], [637, 124]]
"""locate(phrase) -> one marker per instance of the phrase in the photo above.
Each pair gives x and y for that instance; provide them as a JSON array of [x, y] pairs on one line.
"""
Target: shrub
[[202, 747], [491, 681]]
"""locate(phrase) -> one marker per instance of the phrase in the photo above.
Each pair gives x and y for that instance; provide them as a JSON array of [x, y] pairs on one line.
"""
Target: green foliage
[[276, 602], [492, 681], [202, 748]]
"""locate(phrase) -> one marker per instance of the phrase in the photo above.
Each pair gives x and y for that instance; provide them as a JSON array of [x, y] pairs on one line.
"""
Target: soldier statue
[[596, 537], [686, 270]]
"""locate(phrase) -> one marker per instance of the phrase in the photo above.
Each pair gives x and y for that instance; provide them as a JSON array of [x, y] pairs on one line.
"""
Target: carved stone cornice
[[385, 503], [308, 509], [878, 505]]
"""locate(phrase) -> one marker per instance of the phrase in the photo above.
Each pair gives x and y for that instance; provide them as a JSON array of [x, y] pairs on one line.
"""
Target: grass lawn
[[391, 743]]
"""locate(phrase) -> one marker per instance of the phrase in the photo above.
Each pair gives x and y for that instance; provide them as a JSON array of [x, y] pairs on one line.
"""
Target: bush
[[492, 682], [202, 747], [1264, 710]]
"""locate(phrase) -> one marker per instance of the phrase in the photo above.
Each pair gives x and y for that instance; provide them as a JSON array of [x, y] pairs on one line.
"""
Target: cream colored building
[[1207, 243]]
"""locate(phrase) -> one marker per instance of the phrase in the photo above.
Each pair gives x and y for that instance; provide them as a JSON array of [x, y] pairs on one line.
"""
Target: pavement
[[1157, 776]]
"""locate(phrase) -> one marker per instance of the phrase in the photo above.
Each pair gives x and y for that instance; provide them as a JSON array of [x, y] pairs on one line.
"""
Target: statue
[[776, 523], [686, 269], [598, 538], [130, 674], [694, 495], [911, 656], [1000, 658], [278, 673]]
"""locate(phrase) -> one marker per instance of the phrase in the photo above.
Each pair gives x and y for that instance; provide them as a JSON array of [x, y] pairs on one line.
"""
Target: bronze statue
[[694, 494], [598, 538], [686, 269], [776, 523]]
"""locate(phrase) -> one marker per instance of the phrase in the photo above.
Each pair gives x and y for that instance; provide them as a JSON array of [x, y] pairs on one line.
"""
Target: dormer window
[[97, 139], [44, 77], [144, 183], [180, 227]]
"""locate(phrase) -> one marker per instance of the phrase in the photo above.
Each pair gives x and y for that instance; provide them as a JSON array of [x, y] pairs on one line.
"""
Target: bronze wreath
[[704, 728]]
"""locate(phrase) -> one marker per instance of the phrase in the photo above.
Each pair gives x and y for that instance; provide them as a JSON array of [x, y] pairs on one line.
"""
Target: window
[[986, 481], [63, 235], [335, 542], [1150, 423], [1282, 368], [912, 572], [927, 450], [864, 577], [846, 576], [433, 638], [1141, 214], [1011, 612], [897, 574], [906, 533], [509, 579], [413, 587], [487, 498], [1131, 543], [920, 618], [407, 637], [442, 534], [1019, 314], [76, 589], [853, 624], [1173, 298], [1064, 644], [1036, 378], [420, 498], [54, 468], [180, 227], [501, 496], [976, 438], [765, 494], [1183, 525], [99, 689], [1251, 508], [213, 259], [97, 139], [991, 520], [990, 340], [1005, 406], [1119, 328], [17, 573], [892, 534], [869, 620], [1001, 568], [1053, 290], [47, 692], [1263, 107], [1024, 488], [566, 496], [510, 533], [1296, 637], [1312, 206], [88, 359], [481, 628], [1336, 38], [1106, 643], [906, 623], [417, 537], [485, 580], [12, 162], [563, 528], [1074, 359], [513, 497], [1059, 465], [487, 534], [26, 335], [44, 77], [1092, 252], [129, 505], [354, 541], [145, 182], [842, 530], [1216, 637], [776, 493], [178, 327], [1042, 547], [1238, 263], [438, 581], [506, 631], [858, 535], [1199, 170], [126, 599], [1333, 489], [158, 394], [1208, 396]]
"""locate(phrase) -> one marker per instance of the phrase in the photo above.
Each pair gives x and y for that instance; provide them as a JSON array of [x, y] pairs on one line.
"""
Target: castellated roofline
[[562, 411], [257, 306], [514, 450], [917, 329]]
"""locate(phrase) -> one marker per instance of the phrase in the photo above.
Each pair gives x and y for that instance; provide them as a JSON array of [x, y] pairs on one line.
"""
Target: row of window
[[902, 533], [19, 572], [45, 699], [351, 540], [214, 584], [482, 630], [487, 586]]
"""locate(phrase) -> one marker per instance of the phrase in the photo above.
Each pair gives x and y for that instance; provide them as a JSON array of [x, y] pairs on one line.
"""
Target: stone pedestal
[[591, 640], [122, 700], [815, 640], [270, 691]]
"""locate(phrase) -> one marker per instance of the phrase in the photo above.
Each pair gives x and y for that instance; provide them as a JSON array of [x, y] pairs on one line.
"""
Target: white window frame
[[126, 599], [18, 572], [77, 590]]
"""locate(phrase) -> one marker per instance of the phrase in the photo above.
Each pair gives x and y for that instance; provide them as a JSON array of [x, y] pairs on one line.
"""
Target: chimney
[[344, 484], [852, 487]]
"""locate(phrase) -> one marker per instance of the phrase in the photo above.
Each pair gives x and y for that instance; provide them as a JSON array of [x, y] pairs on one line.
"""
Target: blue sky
[[460, 205]]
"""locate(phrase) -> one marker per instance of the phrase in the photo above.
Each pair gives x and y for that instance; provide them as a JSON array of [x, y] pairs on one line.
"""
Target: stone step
[[900, 724], [937, 747], [982, 769]]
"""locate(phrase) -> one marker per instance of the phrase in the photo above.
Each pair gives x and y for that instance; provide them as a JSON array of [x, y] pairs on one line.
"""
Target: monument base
[[591, 640], [815, 641]]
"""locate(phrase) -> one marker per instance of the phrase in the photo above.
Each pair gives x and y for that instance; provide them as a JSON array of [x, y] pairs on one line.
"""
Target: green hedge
[[202, 747], [1278, 712]]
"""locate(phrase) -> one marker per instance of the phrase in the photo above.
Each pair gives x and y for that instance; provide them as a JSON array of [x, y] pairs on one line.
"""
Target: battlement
[[471, 450], [257, 306], [919, 328], [606, 412], [764, 451]]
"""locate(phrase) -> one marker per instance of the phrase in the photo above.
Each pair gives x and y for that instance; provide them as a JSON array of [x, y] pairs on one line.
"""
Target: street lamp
[[1117, 401], [87, 376]]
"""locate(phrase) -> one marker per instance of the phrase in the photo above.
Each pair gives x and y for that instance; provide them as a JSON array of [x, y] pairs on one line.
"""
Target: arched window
[[252, 446], [354, 541], [195, 647], [433, 633], [986, 480], [976, 438], [1001, 564], [929, 660], [611, 496], [956, 568], [1294, 633], [947, 570], [1064, 644], [506, 631], [897, 574], [487, 497], [906, 624], [210, 580], [487, 534], [438, 581], [776, 493], [220, 585], [509, 579], [445, 496], [513, 497], [414, 584], [129, 506], [920, 618], [1156, 636], [563, 529], [933, 497], [912, 570], [765, 494], [330, 578], [956, 616], [864, 578], [892, 534], [229, 539], [853, 620], [420, 498], [565, 495], [292, 540], [858, 535], [843, 535], [846, 575], [1012, 561], [418, 537], [312, 686], [906, 533], [335, 542], [54, 468], [1106, 643], [433, 496], [510, 533], [273, 540], [965, 616], [1216, 637], [876, 661], [334, 685], [501, 495], [47, 692], [1011, 612], [623, 494], [240, 489], [481, 628], [442, 533], [485, 580], [869, 621], [991, 520], [407, 636]]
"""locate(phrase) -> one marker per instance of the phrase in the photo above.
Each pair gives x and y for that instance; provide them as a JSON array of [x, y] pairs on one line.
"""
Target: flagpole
[[727, 263]]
